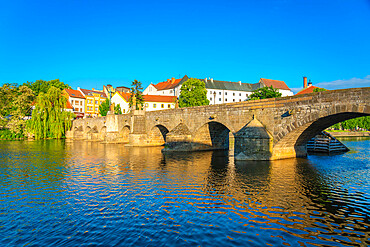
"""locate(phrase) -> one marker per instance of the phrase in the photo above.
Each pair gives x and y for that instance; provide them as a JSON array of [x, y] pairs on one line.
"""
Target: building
[[307, 87], [159, 102], [279, 85], [76, 101], [122, 99], [219, 92], [170, 87], [94, 99]]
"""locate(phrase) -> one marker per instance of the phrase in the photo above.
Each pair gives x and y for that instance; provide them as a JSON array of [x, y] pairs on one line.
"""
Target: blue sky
[[89, 43]]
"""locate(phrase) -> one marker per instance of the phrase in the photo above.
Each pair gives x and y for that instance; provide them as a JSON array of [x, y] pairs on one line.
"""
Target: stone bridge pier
[[266, 129]]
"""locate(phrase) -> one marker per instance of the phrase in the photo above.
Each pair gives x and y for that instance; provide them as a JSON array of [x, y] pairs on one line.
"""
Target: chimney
[[93, 89], [304, 81], [240, 83], [172, 80], [205, 80], [310, 83], [211, 79]]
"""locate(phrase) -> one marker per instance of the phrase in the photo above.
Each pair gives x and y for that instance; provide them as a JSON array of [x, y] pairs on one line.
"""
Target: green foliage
[[136, 97], [265, 93], [8, 93], [117, 109], [104, 108], [317, 89], [49, 119], [6, 134], [41, 86], [353, 124], [193, 93]]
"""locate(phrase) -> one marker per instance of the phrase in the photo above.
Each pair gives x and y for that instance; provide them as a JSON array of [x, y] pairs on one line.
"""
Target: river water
[[57, 193]]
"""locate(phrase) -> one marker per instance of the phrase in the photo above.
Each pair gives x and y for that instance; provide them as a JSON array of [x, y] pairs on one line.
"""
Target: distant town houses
[[163, 95]]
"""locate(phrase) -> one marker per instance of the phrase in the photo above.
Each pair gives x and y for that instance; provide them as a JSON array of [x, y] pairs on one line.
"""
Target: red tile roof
[[307, 90], [274, 83], [90, 92], [169, 84], [124, 95], [159, 98], [74, 93], [68, 105]]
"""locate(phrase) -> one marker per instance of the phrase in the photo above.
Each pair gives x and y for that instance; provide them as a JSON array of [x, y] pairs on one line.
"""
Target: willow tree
[[49, 118]]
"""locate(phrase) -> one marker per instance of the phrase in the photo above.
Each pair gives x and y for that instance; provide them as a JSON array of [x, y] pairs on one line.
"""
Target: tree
[[117, 109], [317, 89], [136, 95], [43, 86], [104, 108], [193, 93], [49, 118], [265, 93]]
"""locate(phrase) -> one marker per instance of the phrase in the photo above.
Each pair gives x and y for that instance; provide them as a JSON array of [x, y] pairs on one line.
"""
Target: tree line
[[44, 100]]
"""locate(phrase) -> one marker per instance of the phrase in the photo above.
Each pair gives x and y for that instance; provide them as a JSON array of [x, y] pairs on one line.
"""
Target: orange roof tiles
[[159, 98], [169, 84], [124, 95], [68, 105], [74, 93], [307, 90], [274, 83]]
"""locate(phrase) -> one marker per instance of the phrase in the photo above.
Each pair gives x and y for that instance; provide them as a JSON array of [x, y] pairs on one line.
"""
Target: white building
[[170, 87], [159, 102], [122, 99], [77, 102]]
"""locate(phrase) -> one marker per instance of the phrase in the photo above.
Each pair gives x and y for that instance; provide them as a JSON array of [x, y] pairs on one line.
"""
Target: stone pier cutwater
[[266, 129]]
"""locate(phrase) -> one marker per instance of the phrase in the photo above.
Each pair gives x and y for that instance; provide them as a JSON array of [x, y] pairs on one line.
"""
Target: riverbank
[[350, 133]]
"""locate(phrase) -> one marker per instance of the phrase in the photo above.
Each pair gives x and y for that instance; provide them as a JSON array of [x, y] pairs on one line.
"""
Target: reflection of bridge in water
[[263, 129]]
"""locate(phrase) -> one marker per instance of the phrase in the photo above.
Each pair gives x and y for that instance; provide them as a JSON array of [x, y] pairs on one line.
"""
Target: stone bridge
[[266, 129]]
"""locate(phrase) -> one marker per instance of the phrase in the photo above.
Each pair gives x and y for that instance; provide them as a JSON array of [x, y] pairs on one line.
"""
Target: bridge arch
[[213, 134], [300, 132], [157, 135], [125, 133]]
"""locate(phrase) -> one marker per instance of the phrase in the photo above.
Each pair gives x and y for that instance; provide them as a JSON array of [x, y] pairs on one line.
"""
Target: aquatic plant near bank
[[49, 118]]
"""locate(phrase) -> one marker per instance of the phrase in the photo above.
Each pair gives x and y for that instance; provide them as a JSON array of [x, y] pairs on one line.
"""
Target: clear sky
[[89, 43]]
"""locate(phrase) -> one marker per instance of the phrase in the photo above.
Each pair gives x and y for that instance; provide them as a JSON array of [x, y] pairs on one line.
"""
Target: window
[[171, 91], [169, 105], [154, 105], [220, 93], [96, 102], [240, 94], [96, 109], [210, 92], [225, 93], [226, 99], [246, 95], [72, 102], [219, 99], [162, 105], [124, 110], [233, 100], [146, 104], [210, 98], [240, 100], [233, 94]]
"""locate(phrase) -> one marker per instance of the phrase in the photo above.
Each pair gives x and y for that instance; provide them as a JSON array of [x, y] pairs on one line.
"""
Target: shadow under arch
[[213, 135], [157, 135], [296, 140]]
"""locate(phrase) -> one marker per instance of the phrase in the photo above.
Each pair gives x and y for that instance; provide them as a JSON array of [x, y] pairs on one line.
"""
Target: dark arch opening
[[214, 135], [158, 135]]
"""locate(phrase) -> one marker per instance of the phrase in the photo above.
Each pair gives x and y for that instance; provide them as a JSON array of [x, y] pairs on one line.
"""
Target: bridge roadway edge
[[265, 129]]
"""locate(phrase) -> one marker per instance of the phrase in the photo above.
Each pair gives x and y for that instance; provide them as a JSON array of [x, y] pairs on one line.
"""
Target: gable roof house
[[279, 85], [75, 102], [170, 87], [94, 98], [307, 88]]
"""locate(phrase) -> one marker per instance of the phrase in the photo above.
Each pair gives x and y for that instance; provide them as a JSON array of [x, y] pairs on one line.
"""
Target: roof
[[90, 92], [74, 93], [274, 83], [170, 83], [307, 90], [124, 95], [159, 98], [228, 85], [68, 105]]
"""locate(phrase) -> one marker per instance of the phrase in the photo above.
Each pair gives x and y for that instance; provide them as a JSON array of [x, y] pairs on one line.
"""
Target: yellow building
[[94, 99]]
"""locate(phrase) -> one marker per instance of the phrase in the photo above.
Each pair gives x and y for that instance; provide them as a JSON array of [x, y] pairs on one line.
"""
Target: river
[[59, 193]]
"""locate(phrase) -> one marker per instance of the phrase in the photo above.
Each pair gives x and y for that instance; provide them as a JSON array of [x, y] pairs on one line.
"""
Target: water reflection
[[78, 193]]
